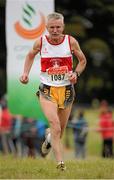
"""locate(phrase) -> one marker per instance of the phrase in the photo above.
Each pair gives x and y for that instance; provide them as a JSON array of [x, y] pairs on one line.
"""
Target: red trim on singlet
[[48, 62], [69, 43], [54, 43]]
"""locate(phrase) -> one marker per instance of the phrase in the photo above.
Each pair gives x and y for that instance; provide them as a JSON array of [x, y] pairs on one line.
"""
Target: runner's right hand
[[24, 79]]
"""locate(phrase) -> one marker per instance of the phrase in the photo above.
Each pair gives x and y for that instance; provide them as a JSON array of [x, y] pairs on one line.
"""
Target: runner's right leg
[[50, 110]]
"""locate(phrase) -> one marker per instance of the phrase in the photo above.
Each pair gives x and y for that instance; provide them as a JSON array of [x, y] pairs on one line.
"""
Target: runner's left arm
[[80, 56], [75, 48]]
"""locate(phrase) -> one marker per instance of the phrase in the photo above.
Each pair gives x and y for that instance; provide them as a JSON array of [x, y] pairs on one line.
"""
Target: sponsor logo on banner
[[28, 15]]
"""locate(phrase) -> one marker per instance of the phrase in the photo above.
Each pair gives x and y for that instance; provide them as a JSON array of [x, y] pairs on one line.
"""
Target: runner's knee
[[56, 128]]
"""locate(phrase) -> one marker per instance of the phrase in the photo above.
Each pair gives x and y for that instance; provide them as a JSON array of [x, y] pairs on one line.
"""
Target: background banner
[[25, 22]]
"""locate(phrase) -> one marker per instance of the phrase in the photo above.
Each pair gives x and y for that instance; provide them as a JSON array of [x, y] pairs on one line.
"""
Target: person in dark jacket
[[80, 130], [28, 135]]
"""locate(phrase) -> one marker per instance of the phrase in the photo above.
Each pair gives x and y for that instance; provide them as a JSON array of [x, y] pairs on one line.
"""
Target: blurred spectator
[[106, 129], [15, 134], [28, 135], [0, 125], [41, 126], [80, 130], [5, 126]]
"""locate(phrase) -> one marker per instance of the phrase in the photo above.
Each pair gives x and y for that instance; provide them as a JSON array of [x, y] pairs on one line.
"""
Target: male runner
[[57, 79]]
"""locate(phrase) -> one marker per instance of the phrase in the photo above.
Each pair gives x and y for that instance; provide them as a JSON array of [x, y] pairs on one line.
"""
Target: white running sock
[[48, 138]]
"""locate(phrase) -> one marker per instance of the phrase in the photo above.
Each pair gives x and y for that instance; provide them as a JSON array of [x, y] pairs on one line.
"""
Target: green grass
[[27, 168]]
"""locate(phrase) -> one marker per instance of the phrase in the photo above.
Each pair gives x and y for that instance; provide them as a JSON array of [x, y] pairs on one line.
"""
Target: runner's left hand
[[73, 78]]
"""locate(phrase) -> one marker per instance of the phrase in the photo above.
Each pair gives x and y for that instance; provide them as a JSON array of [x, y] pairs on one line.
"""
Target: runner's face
[[55, 28]]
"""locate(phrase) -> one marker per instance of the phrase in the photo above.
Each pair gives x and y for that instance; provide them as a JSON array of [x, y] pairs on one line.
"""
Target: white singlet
[[56, 62]]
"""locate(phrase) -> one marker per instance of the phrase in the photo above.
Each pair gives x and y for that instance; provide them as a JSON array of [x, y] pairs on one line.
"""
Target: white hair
[[55, 16]]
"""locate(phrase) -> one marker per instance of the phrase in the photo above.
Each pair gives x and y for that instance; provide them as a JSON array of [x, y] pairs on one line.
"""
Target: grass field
[[93, 167], [28, 168]]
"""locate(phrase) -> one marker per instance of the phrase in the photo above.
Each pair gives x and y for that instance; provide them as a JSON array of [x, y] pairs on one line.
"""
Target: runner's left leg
[[64, 116]]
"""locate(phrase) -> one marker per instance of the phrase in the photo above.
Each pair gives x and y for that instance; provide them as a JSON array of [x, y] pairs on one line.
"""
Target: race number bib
[[57, 73]]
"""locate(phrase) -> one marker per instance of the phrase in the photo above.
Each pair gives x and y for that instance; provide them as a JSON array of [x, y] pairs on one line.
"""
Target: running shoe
[[46, 146], [61, 166]]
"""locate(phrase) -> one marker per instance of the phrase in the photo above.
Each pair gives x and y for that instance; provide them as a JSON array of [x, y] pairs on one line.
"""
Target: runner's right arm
[[29, 61]]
